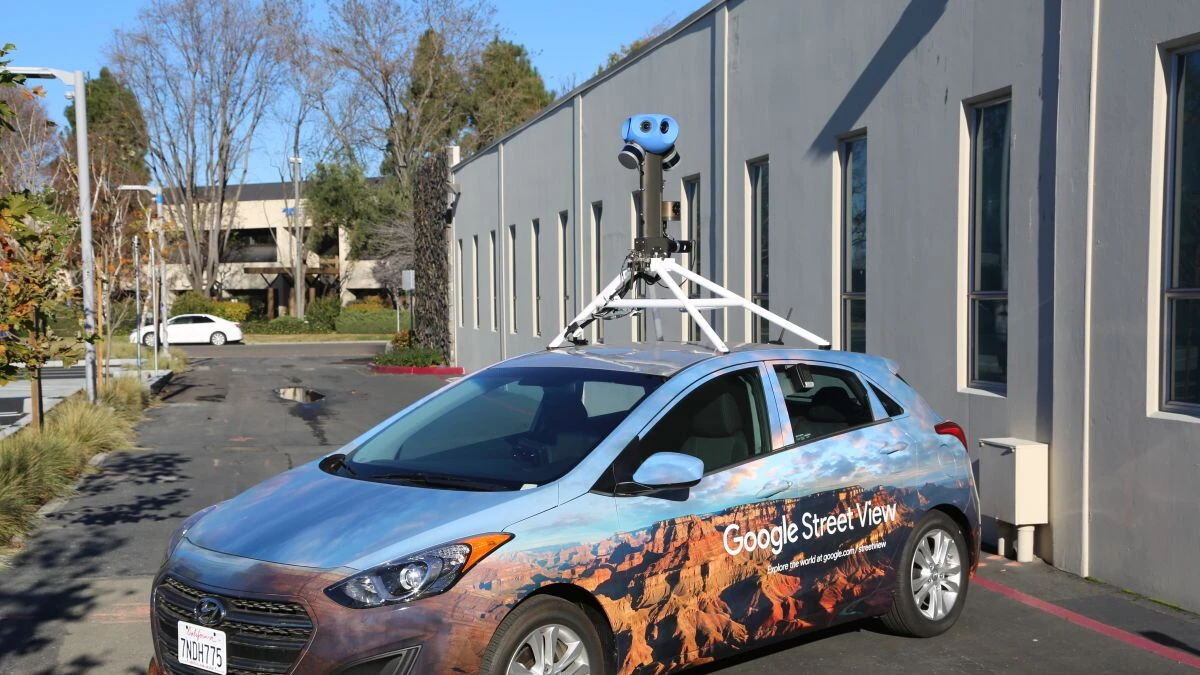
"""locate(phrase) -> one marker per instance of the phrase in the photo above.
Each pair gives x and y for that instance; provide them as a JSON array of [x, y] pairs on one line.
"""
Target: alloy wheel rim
[[936, 574], [550, 650], [217, 339]]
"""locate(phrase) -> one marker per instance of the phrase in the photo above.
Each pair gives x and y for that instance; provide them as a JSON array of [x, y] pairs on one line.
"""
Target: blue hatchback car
[[588, 510]]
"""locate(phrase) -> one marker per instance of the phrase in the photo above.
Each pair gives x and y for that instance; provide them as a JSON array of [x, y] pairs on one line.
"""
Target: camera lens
[[663, 126], [646, 126]]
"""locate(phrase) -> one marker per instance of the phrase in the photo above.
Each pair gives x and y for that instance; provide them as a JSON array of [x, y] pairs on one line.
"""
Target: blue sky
[[566, 39]]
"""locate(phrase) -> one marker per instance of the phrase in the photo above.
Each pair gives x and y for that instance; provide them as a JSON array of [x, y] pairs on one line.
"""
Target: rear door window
[[835, 403]]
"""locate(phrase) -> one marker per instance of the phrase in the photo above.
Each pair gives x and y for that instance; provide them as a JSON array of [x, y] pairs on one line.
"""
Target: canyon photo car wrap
[[589, 510]]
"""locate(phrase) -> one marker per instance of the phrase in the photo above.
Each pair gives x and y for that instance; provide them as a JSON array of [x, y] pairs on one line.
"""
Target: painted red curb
[[1131, 639], [416, 370]]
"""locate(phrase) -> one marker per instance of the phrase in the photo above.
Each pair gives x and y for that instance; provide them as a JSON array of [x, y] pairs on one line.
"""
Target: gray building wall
[[786, 80]]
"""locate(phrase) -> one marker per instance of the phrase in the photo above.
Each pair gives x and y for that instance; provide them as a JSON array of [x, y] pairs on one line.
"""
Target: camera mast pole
[[650, 148]]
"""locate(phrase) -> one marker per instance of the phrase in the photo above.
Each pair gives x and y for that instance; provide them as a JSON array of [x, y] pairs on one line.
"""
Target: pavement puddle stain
[[308, 408], [299, 394]]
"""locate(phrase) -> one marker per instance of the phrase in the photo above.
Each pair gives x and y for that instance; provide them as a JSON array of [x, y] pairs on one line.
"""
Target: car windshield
[[503, 429]]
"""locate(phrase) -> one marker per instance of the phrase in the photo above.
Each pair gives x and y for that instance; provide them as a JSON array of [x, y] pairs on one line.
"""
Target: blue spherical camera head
[[649, 133], [654, 133]]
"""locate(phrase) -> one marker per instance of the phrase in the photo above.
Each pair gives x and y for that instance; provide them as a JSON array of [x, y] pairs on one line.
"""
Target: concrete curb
[[416, 370]]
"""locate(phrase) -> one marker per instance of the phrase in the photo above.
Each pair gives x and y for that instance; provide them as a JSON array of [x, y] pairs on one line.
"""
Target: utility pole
[[298, 235]]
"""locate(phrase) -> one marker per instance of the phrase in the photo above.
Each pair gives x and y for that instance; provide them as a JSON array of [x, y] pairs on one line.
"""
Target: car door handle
[[889, 448], [773, 488]]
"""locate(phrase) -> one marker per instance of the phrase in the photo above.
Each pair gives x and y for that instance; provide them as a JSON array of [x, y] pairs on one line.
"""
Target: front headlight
[[416, 576], [179, 533]]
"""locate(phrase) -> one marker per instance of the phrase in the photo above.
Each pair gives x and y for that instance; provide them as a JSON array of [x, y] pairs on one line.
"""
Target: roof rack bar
[[661, 267], [770, 316]]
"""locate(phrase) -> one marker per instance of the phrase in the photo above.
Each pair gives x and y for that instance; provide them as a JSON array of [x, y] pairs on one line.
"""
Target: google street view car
[[591, 509]]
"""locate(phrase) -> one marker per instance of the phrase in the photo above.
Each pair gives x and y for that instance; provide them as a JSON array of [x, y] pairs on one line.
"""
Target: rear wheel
[[931, 584], [546, 634], [217, 338]]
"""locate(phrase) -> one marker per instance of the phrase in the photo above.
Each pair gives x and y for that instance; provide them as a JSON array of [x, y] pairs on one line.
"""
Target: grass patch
[[36, 467], [128, 350], [413, 356], [252, 339]]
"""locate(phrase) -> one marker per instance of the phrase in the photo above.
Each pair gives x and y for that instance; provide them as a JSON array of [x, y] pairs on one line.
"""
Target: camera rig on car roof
[[649, 147]]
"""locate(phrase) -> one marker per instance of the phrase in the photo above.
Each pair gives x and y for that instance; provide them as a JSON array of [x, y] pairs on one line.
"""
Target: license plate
[[202, 647]]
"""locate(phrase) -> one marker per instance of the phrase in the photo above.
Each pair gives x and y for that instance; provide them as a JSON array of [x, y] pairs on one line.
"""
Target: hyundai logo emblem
[[209, 612]]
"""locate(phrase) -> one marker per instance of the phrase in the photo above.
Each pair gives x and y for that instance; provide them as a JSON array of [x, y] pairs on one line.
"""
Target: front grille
[[263, 637]]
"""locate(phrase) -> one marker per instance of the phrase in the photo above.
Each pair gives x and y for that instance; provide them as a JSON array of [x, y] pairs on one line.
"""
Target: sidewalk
[[56, 389], [1132, 620]]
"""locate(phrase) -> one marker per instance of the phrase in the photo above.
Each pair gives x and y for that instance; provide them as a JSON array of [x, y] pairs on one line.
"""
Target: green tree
[[505, 90], [118, 143], [653, 32], [434, 111], [33, 241], [373, 212]]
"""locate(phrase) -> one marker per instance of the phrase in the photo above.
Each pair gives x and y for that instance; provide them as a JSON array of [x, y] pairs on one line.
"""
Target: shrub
[[355, 320], [230, 310], [126, 396], [417, 356], [401, 340], [281, 325], [191, 303], [370, 302], [323, 312], [89, 429]]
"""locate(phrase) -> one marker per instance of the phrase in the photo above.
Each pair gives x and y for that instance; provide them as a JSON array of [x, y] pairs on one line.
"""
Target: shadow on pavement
[[71, 545], [1168, 641]]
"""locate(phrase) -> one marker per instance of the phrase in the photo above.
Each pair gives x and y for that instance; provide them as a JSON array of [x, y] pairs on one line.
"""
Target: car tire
[[149, 339], [217, 338], [932, 580], [568, 630]]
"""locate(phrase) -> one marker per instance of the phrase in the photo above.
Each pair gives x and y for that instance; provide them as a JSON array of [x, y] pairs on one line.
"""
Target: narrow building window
[[535, 239], [475, 277], [1181, 271], [991, 136], [854, 244], [691, 231], [597, 262], [462, 281], [563, 278], [494, 273], [512, 278], [760, 210]]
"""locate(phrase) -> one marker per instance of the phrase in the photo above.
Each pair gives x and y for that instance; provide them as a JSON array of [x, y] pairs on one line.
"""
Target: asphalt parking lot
[[76, 601]]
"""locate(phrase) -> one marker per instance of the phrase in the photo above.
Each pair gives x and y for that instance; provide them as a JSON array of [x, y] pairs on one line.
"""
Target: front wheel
[[546, 634], [217, 338], [149, 339], [931, 585]]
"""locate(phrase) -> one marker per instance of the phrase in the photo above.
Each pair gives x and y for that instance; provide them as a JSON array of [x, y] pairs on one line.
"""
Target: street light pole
[[158, 297], [76, 80]]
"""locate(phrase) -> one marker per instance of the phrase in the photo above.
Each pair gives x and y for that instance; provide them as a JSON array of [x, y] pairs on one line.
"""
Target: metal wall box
[[1014, 481]]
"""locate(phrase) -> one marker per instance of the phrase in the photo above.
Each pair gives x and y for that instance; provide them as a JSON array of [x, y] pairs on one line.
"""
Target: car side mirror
[[669, 471]]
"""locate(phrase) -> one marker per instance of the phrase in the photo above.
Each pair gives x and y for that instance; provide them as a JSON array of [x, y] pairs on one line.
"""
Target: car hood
[[309, 518]]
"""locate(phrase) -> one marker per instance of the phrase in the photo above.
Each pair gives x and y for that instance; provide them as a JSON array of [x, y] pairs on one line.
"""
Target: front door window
[[704, 561]]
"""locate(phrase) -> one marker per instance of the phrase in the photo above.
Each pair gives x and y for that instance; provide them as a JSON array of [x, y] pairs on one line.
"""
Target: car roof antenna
[[779, 340], [649, 147]]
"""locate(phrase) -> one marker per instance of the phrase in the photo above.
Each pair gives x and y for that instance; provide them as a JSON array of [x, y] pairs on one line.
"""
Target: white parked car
[[192, 328]]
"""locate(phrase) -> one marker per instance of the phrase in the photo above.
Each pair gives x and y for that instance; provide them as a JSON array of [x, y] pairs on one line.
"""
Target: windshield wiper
[[438, 480]]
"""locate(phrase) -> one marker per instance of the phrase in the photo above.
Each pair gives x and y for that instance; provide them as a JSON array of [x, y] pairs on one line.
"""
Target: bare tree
[[205, 71], [29, 150], [372, 45]]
